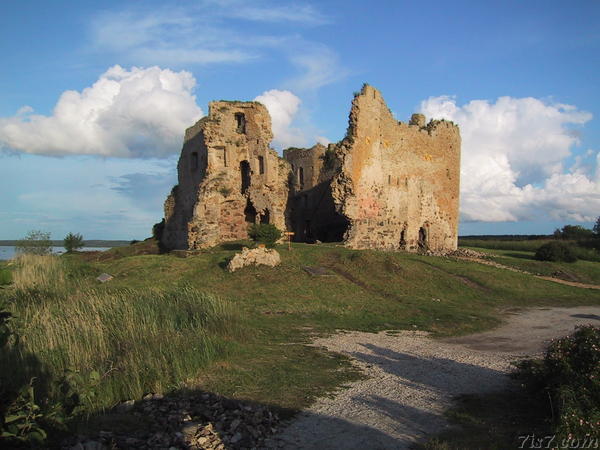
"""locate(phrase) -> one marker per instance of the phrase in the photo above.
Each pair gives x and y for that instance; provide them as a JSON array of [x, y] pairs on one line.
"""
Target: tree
[[597, 227], [573, 232], [36, 242], [73, 242]]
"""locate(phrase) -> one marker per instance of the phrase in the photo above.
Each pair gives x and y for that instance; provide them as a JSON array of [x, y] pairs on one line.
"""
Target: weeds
[[109, 344]]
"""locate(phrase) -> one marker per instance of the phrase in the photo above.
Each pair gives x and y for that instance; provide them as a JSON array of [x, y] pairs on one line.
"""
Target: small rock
[[126, 406]]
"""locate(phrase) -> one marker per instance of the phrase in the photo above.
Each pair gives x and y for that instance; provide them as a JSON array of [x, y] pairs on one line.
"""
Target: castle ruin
[[386, 185]]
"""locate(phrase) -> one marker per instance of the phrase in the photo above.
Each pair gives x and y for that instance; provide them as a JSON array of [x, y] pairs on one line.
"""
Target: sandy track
[[411, 379]]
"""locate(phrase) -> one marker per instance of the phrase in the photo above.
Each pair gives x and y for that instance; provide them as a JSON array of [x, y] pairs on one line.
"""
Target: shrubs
[[5, 277], [264, 233], [73, 242], [569, 376], [555, 251], [36, 242]]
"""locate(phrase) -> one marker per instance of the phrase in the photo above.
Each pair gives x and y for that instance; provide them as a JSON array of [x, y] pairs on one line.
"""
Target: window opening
[[240, 121], [245, 172]]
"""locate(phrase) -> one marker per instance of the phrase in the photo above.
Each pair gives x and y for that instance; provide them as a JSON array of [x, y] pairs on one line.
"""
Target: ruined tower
[[228, 178], [387, 184]]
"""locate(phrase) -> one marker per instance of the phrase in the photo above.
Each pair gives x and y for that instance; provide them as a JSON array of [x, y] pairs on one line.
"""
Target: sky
[[95, 98]]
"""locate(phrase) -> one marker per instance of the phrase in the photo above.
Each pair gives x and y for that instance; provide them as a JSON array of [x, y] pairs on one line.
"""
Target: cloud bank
[[283, 107], [513, 159], [139, 112]]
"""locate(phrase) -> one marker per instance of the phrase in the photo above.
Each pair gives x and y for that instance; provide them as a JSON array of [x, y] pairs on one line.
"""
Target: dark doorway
[[265, 217], [422, 238], [307, 231], [245, 171], [403, 238], [250, 213]]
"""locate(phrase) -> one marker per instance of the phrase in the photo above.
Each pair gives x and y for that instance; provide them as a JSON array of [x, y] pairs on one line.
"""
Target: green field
[[165, 322]]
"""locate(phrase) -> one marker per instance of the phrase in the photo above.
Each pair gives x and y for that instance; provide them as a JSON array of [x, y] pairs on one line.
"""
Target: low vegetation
[[264, 233], [36, 242], [569, 378], [571, 241], [555, 251], [555, 405], [166, 322], [73, 242]]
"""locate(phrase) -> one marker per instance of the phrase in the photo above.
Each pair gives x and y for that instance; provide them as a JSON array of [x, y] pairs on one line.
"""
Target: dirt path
[[411, 379]]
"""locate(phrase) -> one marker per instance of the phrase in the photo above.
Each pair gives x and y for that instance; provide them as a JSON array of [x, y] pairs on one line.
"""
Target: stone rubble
[[187, 421], [254, 257]]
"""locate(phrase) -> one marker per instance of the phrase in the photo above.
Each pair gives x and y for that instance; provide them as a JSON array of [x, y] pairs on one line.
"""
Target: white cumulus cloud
[[283, 107], [514, 152], [140, 112]]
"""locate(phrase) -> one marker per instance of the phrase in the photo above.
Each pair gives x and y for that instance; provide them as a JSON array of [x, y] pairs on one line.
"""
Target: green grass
[[149, 316], [531, 245], [580, 271], [521, 245], [5, 276], [150, 339]]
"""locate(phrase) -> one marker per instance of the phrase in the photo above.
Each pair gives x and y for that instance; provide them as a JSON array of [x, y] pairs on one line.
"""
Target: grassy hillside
[[164, 321]]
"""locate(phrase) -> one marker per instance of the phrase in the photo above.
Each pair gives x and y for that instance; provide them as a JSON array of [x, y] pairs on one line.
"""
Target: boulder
[[255, 256]]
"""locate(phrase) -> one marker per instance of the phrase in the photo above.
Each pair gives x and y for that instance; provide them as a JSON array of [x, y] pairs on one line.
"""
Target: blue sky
[[95, 97]]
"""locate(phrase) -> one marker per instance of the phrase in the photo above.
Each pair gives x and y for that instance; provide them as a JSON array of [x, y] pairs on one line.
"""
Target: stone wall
[[228, 178], [395, 184], [387, 184]]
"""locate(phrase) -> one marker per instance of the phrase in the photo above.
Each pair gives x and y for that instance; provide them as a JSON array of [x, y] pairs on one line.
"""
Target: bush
[[264, 233], [569, 376], [73, 242], [5, 277], [555, 251], [36, 242]]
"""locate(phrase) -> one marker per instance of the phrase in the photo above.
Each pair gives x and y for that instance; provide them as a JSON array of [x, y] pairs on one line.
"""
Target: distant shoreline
[[87, 243]]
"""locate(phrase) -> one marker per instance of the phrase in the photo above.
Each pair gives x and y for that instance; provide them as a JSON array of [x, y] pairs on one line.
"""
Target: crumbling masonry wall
[[387, 184], [393, 185], [228, 179]]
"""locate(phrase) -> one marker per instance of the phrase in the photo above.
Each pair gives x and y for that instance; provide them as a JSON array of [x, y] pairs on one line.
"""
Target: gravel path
[[411, 379]]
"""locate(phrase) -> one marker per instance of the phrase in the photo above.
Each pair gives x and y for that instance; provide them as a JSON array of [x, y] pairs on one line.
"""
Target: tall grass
[[124, 342], [39, 272]]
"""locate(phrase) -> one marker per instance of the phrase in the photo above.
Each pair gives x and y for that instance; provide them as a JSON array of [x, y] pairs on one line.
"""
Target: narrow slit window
[[301, 177], [261, 165]]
